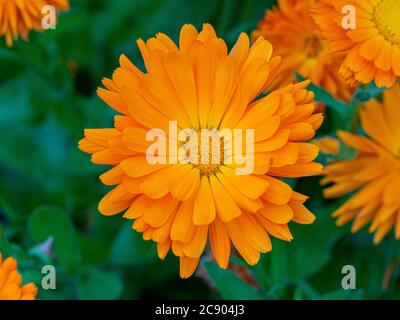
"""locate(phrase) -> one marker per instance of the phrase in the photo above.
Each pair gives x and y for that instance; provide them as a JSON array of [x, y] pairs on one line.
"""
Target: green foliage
[[99, 285], [128, 249], [49, 189], [47, 222], [229, 285]]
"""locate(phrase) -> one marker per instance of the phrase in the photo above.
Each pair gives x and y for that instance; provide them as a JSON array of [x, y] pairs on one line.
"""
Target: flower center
[[210, 152], [387, 20], [210, 156], [207, 169]]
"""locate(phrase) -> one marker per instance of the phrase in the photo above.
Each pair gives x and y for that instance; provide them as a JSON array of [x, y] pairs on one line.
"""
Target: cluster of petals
[[292, 31], [19, 17], [374, 174], [370, 48], [11, 280]]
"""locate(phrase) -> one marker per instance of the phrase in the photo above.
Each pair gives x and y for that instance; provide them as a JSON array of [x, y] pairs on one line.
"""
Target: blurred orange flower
[[370, 51], [375, 171], [10, 282], [291, 29], [203, 86], [328, 145], [18, 17]]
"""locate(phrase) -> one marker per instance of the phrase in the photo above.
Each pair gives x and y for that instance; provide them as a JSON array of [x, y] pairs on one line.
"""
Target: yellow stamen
[[387, 20]]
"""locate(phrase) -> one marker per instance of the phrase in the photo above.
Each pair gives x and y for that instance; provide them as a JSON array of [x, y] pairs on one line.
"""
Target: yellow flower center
[[208, 169], [209, 159], [387, 19], [211, 168]]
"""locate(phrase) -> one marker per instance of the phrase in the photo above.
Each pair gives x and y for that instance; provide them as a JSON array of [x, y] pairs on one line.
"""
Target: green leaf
[[49, 221], [229, 285], [94, 250], [278, 261], [32, 275], [366, 92], [357, 250], [129, 249], [7, 210], [307, 290], [5, 246], [309, 251], [99, 285], [342, 294]]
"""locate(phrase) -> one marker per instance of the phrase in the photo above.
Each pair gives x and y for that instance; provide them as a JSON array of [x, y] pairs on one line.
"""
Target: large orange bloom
[[10, 282], [291, 29], [201, 85], [370, 52], [18, 17], [374, 173]]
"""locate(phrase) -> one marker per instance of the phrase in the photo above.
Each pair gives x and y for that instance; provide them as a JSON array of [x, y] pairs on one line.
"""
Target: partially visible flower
[[19, 17], [374, 173], [291, 29], [11, 280], [201, 85], [328, 145], [371, 51]]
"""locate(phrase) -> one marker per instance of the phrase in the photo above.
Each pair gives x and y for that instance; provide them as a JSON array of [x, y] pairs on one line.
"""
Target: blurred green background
[[49, 188]]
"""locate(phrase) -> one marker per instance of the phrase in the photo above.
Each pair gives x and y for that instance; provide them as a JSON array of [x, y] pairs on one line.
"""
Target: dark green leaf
[[229, 285], [99, 285], [130, 249], [49, 221]]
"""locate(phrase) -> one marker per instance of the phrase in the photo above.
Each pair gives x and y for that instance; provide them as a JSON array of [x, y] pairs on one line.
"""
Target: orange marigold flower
[[371, 51], [201, 85], [10, 282], [18, 17], [374, 173], [291, 29]]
